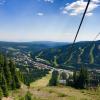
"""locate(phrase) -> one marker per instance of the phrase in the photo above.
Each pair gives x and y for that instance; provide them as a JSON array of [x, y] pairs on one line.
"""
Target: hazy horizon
[[46, 41]]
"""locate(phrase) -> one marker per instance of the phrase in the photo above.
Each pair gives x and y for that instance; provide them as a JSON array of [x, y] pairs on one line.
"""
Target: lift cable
[[79, 27], [81, 21], [96, 36]]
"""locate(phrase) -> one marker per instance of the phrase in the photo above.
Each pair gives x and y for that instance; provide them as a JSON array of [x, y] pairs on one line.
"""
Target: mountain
[[28, 46], [86, 53], [20, 53], [57, 54]]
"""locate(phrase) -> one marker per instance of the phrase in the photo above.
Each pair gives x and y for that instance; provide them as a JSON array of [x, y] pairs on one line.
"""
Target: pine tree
[[82, 77], [7, 72], [15, 80], [1, 60], [63, 76], [75, 77], [81, 80], [1, 94], [20, 76], [54, 79], [8, 76], [4, 86]]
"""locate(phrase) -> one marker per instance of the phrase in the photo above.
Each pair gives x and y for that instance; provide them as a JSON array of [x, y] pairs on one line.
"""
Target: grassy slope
[[43, 82], [55, 61], [91, 54], [43, 92], [40, 91], [79, 56]]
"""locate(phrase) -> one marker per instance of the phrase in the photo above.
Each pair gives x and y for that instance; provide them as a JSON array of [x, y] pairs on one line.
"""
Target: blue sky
[[48, 20]]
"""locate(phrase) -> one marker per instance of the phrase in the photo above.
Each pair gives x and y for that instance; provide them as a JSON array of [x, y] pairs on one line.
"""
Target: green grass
[[91, 54], [79, 56], [39, 54], [43, 82], [40, 91], [61, 95], [55, 61]]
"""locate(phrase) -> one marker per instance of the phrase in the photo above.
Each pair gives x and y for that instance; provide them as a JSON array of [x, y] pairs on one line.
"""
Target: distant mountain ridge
[[86, 53], [28, 46], [57, 53]]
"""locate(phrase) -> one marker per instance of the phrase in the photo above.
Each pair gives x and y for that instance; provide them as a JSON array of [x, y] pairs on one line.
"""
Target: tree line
[[80, 79], [8, 76]]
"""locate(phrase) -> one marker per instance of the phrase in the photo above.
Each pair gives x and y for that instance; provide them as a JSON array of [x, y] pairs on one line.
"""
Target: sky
[[48, 20]]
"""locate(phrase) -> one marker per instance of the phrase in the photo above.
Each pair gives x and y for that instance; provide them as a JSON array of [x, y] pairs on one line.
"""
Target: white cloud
[[51, 1], [89, 14], [64, 12], [78, 7], [96, 1], [40, 14]]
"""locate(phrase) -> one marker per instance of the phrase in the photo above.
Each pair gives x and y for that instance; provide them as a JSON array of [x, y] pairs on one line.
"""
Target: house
[[62, 82]]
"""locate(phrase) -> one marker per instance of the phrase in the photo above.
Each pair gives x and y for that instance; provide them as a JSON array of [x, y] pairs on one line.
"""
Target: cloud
[[50, 1], [77, 7], [2, 2], [96, 1], [89, 14], [40, 14]]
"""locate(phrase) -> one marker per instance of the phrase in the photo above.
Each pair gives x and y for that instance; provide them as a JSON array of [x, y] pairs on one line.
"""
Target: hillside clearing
[[43, 82], [40, 91]]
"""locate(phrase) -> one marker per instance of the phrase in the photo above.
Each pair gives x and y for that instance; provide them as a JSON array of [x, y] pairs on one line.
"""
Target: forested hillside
[[12, 77], [82, 53], [31, 73], [8, 76]]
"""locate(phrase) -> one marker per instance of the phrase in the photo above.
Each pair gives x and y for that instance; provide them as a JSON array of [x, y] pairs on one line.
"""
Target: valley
[[36, 66], [49, 50]]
